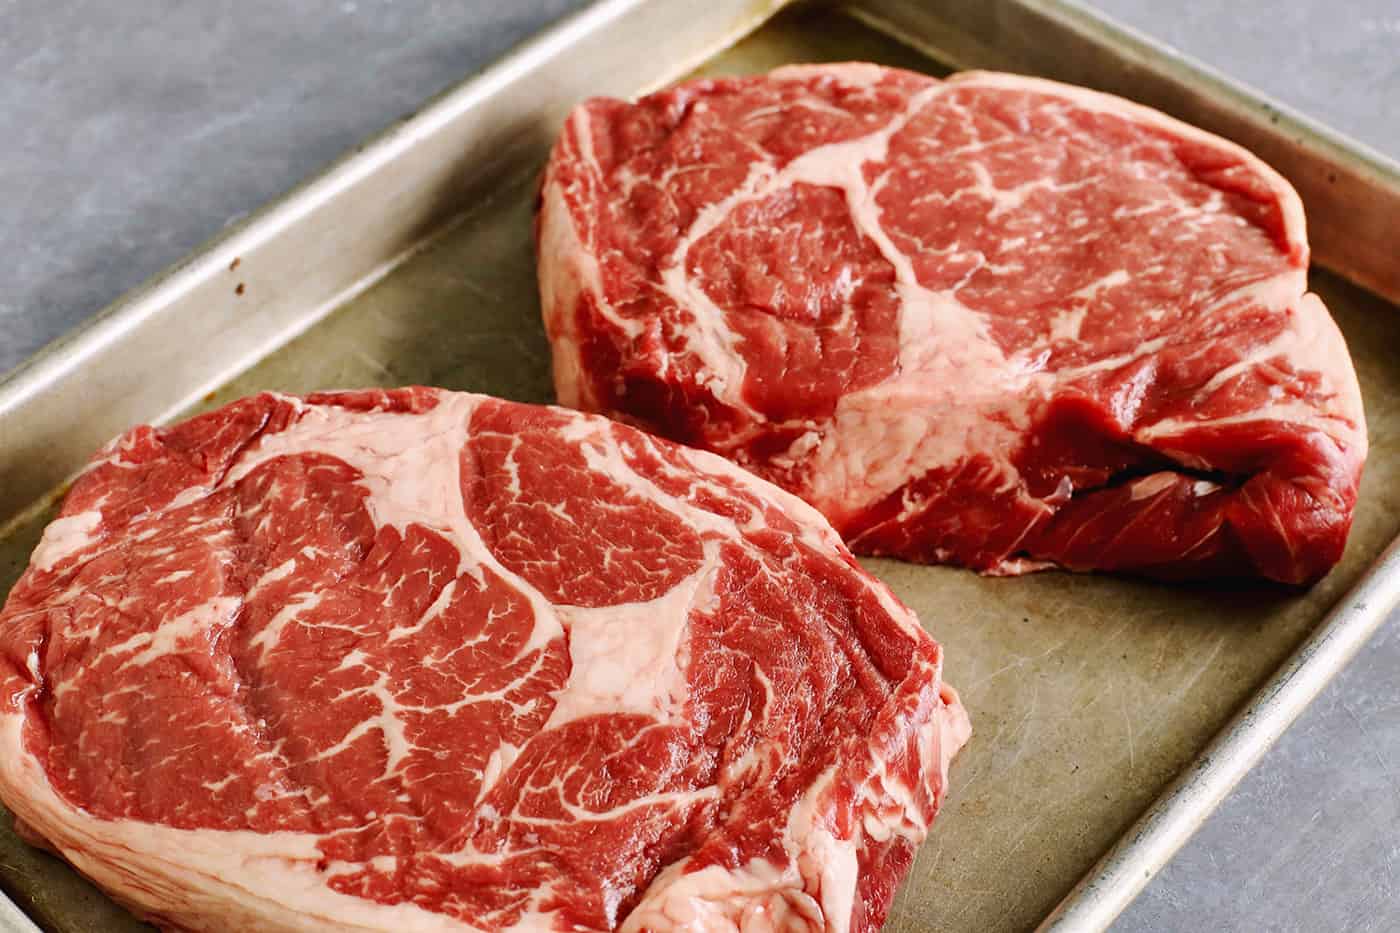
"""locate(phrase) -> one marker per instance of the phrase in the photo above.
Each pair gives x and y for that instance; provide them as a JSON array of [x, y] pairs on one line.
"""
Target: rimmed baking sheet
[[411, 262]]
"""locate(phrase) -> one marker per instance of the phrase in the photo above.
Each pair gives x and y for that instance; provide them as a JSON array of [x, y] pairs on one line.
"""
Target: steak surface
[[420, 660], [990, 320]]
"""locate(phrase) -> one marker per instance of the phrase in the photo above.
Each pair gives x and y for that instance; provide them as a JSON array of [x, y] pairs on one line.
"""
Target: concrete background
[[131, 132]]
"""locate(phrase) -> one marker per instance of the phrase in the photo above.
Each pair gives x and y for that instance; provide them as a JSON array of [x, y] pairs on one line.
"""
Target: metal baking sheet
[[1111, 715]]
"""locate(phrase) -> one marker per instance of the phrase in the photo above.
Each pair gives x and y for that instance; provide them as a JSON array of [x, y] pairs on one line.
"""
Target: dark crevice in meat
[[1129, 475]]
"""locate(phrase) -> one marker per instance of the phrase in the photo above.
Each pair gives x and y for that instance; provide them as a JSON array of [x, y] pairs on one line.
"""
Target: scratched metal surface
[[1087, 693]]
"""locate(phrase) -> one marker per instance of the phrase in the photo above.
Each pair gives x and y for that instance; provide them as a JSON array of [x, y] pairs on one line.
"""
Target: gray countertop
[[1310, 840], [132, 132]]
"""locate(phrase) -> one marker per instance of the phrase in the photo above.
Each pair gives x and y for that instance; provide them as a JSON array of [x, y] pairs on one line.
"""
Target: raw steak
[[992, 321], [419, 660]]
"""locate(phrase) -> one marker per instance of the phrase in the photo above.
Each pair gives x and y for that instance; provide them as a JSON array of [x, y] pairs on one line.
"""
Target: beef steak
[[991, 320], [420, 660]]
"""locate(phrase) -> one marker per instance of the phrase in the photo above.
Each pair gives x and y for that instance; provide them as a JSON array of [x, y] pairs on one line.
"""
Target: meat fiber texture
[[421, 660], [990, 320]]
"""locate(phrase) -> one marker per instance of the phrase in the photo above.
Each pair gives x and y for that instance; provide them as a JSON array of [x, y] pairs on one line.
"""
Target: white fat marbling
[[65, 537]]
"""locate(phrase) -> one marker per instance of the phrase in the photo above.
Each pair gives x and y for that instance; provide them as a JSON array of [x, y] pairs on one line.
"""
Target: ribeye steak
[[420, 660], [990, 320]]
